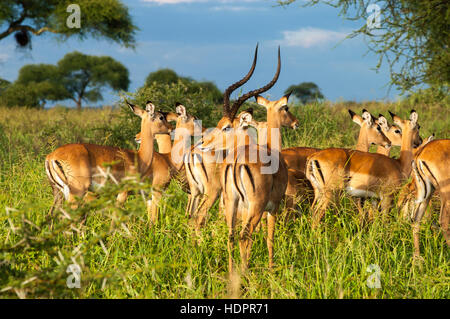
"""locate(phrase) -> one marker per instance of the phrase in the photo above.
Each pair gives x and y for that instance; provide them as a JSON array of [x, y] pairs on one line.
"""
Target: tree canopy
[[168, 76], [413, 37], [108, 19], [77, 76], [84, 75], [305, 92]]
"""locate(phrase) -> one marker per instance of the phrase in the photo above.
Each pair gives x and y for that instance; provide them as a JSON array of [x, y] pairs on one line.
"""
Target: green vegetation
[[121, 257], [107, 19]]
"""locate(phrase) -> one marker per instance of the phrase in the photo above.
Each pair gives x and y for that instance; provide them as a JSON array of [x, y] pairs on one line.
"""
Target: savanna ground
[[121, 257]]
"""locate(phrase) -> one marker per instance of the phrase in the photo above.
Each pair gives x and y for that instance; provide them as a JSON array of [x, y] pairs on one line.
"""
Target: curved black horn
[[234, 86], [250, 94]]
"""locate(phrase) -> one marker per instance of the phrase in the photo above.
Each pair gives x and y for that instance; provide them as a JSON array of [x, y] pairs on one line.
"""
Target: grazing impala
[[361, 174], [295, 157], [74, 169], [432, 172], [251, 184]]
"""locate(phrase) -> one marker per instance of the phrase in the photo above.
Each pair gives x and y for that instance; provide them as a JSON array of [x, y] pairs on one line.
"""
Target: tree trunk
[[78, 104]]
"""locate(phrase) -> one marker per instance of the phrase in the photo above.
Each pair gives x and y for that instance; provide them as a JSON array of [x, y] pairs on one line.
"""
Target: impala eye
[[226, 128], [397, 131], [379, 128], [285, 108]]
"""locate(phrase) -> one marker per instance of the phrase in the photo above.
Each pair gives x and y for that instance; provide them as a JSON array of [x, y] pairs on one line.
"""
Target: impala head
[[185, 120], [278, 111], [410, 128], [155, 120], [226, 124], [392, 132], [370, 131], [181, 117], [224, 137]]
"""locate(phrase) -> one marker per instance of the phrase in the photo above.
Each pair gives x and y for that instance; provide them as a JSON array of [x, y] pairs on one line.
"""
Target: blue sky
[[214, 40]]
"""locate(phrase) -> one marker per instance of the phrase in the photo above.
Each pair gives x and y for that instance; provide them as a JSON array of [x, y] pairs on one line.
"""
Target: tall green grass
[[122, 257]]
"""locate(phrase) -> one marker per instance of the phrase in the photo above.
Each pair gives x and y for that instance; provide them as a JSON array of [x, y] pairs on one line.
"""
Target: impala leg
[[204, 210], [420, 210], [261, 224], [252, 218], [386, 205], [57, 201], [230, 217], [361, 213], [271, 220], [320, 208], [153, 207], [444, 219]]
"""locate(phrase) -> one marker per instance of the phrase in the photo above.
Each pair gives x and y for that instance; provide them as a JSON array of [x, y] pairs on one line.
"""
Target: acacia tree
[[44, 80], [99, 18], [168, 76], [83, 76], [305, 92], [412, 37]]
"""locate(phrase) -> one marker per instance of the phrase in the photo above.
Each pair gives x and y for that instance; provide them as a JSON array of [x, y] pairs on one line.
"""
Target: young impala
[[74, 169], [432, 172], [361, 174]]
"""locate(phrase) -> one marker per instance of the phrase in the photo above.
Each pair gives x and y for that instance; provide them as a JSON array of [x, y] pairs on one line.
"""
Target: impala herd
[[252, 174]]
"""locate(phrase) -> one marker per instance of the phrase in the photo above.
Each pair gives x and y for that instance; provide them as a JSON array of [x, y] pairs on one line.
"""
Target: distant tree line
[[76, 76], [81, 78]]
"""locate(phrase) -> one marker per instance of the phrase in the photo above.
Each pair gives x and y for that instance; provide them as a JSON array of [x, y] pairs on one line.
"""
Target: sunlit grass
[[122, 257]]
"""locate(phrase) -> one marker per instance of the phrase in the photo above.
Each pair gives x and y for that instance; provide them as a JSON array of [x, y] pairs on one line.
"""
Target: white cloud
[[309, 37], [3, 57]]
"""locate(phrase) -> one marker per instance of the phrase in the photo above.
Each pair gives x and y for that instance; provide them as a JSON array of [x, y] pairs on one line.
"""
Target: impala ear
[[382, 121], [367, 117], [355, 117], [286, 96], [413, 117], [150, 108], [261, 101], [181, 110], [398, 121], [135, 109]]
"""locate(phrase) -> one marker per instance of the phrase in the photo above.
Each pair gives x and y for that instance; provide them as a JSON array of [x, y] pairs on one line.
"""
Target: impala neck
[[181, 145], [363, 141], [273, 133], [164, 143], [145, 153], [406, 153], [262, 132]]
